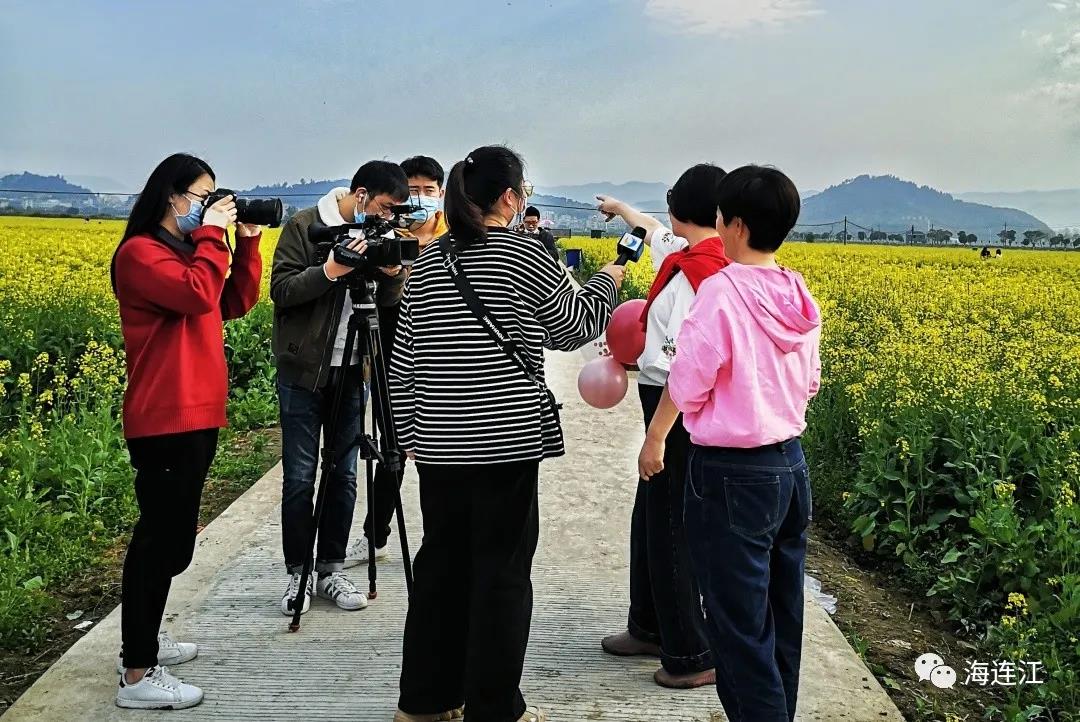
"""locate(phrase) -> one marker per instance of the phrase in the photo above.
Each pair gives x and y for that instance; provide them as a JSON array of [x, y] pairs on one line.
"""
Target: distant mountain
[[894, 205], [300, 195], [33, 182], [807, 194], [1060, 209]]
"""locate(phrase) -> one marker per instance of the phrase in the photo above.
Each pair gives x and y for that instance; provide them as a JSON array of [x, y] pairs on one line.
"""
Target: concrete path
[[344, 666]]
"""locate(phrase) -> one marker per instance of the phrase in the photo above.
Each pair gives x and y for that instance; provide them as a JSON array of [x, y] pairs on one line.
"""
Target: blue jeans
[[747, 511], [304, 415]]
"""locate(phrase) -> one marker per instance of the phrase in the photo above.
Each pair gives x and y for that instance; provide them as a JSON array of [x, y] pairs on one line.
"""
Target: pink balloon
[[625, 336], [602, 382]]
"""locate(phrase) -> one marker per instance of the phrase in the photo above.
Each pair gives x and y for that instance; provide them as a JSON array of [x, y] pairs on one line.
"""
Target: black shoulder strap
[[504, 342]]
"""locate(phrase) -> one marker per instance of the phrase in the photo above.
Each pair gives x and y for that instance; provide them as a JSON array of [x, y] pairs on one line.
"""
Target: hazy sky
[[959, 94]]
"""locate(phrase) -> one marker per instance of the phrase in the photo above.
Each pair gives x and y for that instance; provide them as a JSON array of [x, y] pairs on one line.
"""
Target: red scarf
[[697, 263]]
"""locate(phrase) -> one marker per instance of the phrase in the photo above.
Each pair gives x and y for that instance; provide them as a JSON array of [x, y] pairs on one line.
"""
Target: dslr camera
[[256, 211], [386, 247]]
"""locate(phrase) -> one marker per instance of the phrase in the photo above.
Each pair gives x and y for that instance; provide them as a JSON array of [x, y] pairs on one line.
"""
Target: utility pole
[[845, 230]]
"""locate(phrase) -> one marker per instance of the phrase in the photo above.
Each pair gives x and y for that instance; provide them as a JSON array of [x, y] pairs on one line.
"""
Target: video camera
[[257, 211], [386, 247]]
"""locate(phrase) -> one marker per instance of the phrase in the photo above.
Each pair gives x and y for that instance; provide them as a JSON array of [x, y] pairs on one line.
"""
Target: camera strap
[[502, 340]]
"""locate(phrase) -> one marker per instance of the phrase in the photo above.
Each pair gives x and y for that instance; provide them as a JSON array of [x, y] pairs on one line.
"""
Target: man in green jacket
[[311, 315]]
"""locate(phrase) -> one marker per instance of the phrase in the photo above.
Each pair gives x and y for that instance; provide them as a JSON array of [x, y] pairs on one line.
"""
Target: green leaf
[[951, 556], [35, 583]]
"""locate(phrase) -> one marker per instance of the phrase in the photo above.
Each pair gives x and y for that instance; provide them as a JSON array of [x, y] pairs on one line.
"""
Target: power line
[[313, 194]]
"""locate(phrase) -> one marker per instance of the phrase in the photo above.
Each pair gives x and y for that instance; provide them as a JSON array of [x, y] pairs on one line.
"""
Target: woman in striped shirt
[[478, 426]]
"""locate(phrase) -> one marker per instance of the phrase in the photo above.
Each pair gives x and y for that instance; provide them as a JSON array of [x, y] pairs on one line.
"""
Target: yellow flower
[[1017, 602]]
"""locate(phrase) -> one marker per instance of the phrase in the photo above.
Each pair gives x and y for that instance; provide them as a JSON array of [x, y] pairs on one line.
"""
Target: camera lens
[[260, 211]]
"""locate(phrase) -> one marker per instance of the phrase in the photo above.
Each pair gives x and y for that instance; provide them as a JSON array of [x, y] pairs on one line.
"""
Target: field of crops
[[66, 496], [947, 434]]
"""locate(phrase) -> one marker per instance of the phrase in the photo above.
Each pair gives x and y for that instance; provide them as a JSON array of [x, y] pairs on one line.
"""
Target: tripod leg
[[373, 590], [393, 456]]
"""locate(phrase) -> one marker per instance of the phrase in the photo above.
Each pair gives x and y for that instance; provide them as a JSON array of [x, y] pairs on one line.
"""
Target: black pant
[[747, 511], [471, 606], [381, 507], [170, 473], [665, 607]]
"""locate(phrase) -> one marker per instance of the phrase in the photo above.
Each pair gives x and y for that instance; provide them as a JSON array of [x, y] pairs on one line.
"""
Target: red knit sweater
[[172, 309]]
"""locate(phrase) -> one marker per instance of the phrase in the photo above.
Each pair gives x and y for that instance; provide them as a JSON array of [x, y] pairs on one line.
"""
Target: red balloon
[[625, 335], [602, 382]]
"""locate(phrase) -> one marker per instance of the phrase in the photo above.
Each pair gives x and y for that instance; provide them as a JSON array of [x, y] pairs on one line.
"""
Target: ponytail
[[463, 216], [475, 185]]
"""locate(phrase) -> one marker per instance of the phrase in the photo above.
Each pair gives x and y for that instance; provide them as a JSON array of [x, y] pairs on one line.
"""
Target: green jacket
[[307, 305]]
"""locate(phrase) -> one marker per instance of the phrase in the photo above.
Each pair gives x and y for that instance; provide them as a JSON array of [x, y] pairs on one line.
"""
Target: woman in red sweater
[[176, 286]]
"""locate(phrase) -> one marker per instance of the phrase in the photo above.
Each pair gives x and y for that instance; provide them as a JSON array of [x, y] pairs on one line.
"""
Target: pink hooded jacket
[[747, 361]]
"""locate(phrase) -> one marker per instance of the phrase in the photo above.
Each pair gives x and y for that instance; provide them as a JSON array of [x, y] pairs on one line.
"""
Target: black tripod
[[363, 328]]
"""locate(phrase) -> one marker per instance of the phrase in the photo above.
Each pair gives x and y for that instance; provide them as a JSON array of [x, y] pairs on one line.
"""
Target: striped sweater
[[457, 398]]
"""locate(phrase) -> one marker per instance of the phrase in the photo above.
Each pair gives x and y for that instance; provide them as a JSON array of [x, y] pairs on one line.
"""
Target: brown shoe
[[625, 644], [665, 678], [453, 714]]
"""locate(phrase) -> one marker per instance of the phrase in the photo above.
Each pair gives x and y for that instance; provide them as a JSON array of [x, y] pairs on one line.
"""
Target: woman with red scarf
[[665, 618]]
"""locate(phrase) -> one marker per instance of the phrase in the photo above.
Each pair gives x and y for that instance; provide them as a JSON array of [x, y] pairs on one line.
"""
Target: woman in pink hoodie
[[745, 369]]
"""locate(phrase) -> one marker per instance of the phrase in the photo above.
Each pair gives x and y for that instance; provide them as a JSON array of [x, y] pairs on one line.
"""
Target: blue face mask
[[191, 220], [430, 204]]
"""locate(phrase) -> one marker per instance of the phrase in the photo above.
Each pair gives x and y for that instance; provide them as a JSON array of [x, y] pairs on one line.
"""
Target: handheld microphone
[[631, 246]]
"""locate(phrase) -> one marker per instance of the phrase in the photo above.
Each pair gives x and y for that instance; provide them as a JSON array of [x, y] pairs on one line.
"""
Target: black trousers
[[170, 473], [380, 508], [665, 606], [468, 623]]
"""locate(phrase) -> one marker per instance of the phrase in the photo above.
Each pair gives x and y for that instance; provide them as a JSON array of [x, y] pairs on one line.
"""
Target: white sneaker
[[337, 588], [170, 652], [157, 690], [291, 594], [357, 553]]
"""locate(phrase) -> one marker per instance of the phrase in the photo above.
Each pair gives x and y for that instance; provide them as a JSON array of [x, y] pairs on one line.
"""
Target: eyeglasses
[[195, 196]]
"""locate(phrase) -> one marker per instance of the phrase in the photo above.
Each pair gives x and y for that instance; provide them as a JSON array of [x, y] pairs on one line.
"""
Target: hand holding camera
[[335, 270], [221, 213]]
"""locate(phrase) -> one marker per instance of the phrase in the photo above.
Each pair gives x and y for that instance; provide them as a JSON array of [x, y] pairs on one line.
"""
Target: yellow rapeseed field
[[947, 432], [946, 436]]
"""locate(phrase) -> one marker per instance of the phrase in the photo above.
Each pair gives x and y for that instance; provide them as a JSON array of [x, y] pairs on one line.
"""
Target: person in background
[[478, 425], [998, 253], [665, 618], [985, 252], [531, 227], [175, 285], [425, 178], [746, 368], [312, 307]]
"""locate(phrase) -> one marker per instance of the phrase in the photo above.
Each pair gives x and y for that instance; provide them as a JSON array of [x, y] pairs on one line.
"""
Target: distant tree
[[972, 239], [1076, 242], [1058, 240], [810, 237], [862, 236], [878, 236], [939, 236], [1032, 238], [962, 237], [1007, 237], [73, 211], [896, 237]]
